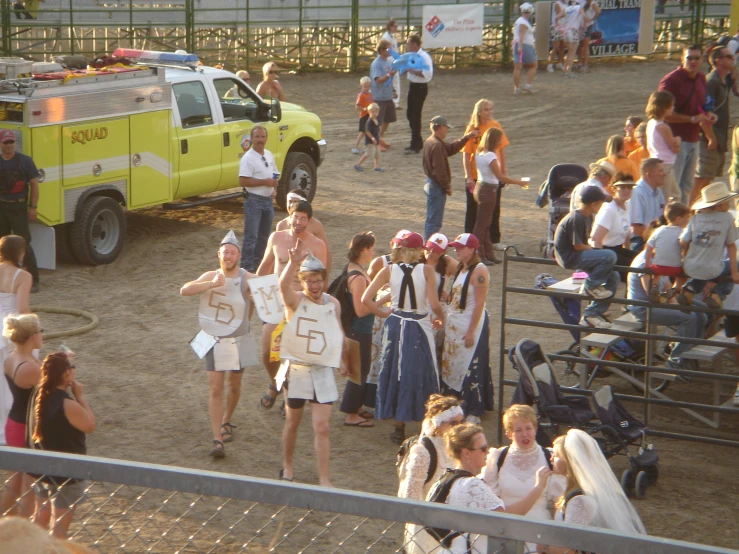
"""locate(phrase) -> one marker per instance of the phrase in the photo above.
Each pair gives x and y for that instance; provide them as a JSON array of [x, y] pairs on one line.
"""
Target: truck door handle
[[226, 139], [183, 146]]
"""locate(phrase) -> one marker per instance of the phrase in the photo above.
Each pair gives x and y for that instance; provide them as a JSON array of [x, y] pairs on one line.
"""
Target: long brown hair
[[52, 375], [12, 248]]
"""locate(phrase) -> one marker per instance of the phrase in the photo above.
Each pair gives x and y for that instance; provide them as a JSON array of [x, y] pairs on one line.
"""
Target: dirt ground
[[149, 390]]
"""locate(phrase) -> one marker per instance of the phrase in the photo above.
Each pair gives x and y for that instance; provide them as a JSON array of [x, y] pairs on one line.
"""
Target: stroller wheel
[[657, 383], [627, 481], [567, 373], [652, 473], [642, 482]]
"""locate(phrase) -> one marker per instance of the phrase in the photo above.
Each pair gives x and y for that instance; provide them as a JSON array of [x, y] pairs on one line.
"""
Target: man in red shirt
[[688, 85]]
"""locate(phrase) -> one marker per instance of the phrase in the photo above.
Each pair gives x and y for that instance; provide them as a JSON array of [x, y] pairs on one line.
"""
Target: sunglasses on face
[[483, 448], [692, 58], [272, 72], [726, 57], [8, 142]]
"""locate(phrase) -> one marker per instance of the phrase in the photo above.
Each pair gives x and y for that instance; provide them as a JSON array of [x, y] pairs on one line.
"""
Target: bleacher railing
[[297, 34], [512, 256], [137, 507]]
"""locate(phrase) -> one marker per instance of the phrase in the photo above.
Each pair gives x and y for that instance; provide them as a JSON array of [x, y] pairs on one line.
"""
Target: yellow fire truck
[[132, 136]]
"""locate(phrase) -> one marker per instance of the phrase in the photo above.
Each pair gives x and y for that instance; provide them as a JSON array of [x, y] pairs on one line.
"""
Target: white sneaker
[[499, 246], [528, 88], [595, 321], [550, 68], [599, 293], [560, 67], [516, 91], [356, 151], [736, 397]]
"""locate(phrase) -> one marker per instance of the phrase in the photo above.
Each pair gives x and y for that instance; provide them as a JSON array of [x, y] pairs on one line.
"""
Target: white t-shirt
[[666, 243], [708, 234], [484, 172], [616, 219], [258, 166], [528, 36], [573, 17]]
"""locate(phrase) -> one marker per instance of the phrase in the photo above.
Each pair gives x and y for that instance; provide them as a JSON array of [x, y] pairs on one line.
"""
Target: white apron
[[456, 357]]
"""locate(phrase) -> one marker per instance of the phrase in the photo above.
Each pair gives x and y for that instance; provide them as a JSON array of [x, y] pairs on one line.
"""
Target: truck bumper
[[321, 150]]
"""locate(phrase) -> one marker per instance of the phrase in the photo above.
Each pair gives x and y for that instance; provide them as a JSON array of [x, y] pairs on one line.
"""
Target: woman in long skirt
[[465, 362], [408, 369]]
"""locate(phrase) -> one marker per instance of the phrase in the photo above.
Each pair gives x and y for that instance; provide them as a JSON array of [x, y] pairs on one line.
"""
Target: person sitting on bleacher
[[572, 251], [690, 325]]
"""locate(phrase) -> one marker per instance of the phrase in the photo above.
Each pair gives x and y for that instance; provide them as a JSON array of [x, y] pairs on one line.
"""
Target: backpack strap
[[439, 493], [504, 453], [572, 494], [501, 458], [407, 285], [548, 457], [428, 443]]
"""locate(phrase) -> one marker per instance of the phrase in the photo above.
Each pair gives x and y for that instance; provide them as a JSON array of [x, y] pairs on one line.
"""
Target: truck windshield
[[236, 100]]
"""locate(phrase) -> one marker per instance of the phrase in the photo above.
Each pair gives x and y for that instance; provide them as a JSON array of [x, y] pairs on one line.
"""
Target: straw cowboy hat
[[713, 194]]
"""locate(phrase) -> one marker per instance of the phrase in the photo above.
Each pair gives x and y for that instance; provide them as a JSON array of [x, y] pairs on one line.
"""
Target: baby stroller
[[556, 190], [621, 430], [538, 385]]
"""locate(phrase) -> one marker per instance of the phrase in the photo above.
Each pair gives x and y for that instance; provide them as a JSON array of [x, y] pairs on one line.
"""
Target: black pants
[[14, 221], [470, 216], [624, 256], [416, 97], [355, 396]]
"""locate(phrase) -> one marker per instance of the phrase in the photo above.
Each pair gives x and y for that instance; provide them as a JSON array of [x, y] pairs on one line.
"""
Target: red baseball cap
[[437, 242], [466, 239], [7, 134], [408, 239]]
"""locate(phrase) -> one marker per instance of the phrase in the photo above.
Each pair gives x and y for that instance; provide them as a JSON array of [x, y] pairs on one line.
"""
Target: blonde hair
[[491, 140], [406, 255], [475, 118], [518, 411], [572, 484], [20, 328], [364, 80], [438, 403], [614, 146], [373, 107], [459, 437], [266, 67]]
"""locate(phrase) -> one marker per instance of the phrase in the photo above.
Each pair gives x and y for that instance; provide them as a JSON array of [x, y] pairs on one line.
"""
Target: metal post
[[407, 17], [130, 26], [300, 35], [189, 25], [247, 42], [506, 38], [6, 44], [501, 354], [648, 355], [354, 37]]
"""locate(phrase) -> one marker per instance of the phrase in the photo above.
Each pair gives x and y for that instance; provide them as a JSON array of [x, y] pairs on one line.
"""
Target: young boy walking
[[371, 139], [364, 99]]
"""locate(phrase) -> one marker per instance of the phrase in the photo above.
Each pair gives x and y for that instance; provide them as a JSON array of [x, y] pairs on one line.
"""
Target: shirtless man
[[314, 225], [275, 259]]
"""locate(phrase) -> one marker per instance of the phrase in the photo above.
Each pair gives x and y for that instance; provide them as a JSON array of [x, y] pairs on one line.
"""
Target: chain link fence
[[133, 507], [297, 34]]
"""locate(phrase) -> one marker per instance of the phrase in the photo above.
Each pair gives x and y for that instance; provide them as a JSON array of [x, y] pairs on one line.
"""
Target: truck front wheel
[[98, 232], [298, 172]]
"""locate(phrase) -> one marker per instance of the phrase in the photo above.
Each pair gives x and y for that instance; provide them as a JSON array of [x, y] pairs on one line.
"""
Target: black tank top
[[21, 397], [59, 435]]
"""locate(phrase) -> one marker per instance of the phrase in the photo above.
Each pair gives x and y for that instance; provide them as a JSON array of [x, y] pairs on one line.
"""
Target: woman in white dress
[[593, 495], [416, 474], [408, 368], [465, 360], [466, 443], [15, 292], [510, 471], [391, 29]]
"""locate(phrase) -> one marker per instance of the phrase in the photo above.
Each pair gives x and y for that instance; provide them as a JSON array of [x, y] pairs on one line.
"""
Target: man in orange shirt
[[481, 121]]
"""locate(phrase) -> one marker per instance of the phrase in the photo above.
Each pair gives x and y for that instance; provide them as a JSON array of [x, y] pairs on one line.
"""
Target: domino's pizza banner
[[452, 25]]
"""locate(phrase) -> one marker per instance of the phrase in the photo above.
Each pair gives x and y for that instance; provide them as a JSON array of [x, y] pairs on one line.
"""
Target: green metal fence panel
[[302, 35]]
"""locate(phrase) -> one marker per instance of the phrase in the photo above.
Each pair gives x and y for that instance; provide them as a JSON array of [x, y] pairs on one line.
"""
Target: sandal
[[218, 451], [283, 478], [365, 414], [226, 431], [267, 400], [362, 423]]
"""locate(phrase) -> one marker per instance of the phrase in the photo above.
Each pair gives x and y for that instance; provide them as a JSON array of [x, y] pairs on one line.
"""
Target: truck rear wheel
[[298, 172], [98, 231]]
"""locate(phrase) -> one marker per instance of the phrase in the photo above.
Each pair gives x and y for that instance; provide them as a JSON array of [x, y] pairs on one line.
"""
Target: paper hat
[[230, 238], [437, 242], [608, 166], [466, 239], [713, 194], [311, 263], [408, 239]]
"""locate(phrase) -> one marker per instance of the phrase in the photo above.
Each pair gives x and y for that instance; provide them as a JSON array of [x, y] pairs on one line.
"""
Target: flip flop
[[226, 431], [218, 451], [363, 423], [365, 414], [283, 478], [268, 401]]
